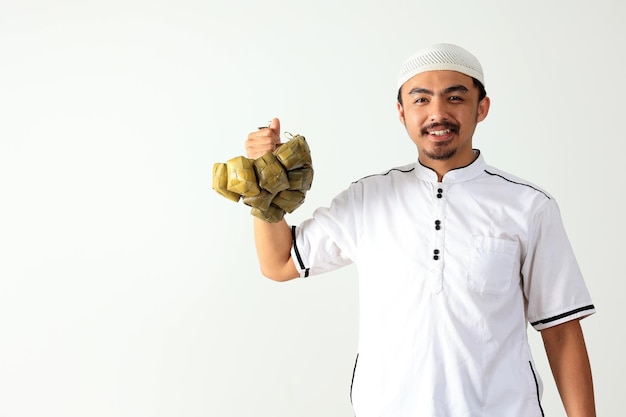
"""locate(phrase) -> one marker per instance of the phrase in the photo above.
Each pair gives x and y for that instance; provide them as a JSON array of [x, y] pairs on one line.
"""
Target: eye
[[420, 100], [455, 98]]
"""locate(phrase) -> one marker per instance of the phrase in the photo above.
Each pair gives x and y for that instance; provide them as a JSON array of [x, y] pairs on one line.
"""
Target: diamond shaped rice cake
[[241, 177], [220, 182], [271, 173], [294, 153]]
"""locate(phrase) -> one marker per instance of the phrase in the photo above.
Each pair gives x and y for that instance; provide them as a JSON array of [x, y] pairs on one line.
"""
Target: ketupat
[[274, 184]]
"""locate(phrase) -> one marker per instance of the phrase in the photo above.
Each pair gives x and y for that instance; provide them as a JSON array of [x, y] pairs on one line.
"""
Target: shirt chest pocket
[[491, 264]]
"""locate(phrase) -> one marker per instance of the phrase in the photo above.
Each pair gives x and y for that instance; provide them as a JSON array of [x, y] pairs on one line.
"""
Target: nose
[[438, 110]]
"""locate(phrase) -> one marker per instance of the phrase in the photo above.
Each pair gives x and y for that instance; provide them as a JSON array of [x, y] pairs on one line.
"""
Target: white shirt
[[450, 273]]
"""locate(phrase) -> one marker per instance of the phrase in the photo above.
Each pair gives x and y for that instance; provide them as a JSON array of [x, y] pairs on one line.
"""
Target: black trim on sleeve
[[560, 316], [295, 248]]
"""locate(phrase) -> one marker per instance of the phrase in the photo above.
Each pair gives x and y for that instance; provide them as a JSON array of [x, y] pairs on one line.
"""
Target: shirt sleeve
[[553, 282], [328, 240]]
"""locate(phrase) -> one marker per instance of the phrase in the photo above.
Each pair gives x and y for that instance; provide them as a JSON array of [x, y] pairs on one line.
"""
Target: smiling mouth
[[440, 129], [440, 132]]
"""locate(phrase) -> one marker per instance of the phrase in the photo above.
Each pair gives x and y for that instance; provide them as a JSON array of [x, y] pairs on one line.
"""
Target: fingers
[[275, 127], [263, 140]]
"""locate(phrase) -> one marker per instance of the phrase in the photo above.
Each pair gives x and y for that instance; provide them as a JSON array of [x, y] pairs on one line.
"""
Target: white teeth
[[440, 132]]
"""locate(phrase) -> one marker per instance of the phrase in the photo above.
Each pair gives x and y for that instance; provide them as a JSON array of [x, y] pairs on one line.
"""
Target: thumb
[[275, 127]]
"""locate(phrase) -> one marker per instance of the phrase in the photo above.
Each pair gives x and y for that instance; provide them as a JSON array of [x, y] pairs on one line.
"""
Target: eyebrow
[[452, 89]]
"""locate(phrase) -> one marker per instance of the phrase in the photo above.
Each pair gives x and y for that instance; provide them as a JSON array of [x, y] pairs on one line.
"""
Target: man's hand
[[273, 179], [263, 140], [273, 240]]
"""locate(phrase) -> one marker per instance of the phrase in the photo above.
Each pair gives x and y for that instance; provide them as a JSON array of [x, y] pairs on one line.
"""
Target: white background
[[129, 288]]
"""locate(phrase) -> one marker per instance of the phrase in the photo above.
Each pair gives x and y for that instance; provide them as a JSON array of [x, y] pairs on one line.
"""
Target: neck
[[443, 166]]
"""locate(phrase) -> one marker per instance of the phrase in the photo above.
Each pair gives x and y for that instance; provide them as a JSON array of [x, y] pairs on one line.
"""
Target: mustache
[[439, 126]]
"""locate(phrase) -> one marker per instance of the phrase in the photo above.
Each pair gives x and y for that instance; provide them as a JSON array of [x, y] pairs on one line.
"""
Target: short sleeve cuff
[[576, 314]]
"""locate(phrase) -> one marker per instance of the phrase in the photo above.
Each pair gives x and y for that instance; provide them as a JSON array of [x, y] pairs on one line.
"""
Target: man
[[455, 258]]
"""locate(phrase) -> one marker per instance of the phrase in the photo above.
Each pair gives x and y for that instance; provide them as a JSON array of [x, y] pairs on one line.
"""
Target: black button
[[439, 195], [437, 222], [439, 190], [436, 251], [437, 227], [436, 257]]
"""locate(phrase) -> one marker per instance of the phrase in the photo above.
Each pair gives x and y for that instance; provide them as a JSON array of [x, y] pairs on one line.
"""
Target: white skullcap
[[442, 56]]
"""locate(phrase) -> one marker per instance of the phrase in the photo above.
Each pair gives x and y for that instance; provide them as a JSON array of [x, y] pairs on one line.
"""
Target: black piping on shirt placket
[[295, 248]]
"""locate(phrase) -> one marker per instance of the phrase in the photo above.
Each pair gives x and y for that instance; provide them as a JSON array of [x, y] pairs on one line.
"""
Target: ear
[[483, 109], [401, 114]]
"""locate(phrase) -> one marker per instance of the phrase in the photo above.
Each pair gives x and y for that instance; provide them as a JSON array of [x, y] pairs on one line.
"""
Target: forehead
[[438, 80]]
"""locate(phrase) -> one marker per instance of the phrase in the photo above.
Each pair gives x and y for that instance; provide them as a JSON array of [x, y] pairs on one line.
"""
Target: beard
[[441, 152]]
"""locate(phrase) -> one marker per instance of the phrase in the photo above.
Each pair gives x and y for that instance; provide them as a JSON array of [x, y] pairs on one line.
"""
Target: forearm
[[569, 361], [273, 245]]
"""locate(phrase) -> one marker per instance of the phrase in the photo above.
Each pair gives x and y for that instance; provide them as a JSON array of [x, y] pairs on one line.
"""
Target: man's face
[[440, 110]]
